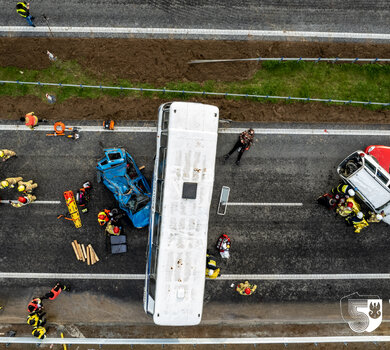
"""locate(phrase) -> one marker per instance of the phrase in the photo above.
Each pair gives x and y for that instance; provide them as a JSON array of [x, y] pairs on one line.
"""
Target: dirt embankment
[[161, 61]]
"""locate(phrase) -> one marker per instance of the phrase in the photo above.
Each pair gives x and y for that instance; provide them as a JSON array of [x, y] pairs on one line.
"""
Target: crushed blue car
[[119, 173]]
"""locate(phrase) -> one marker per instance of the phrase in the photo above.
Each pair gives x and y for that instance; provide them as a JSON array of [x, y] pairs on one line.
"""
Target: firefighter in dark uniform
[[344, 190], [36, 319], [212, 271]]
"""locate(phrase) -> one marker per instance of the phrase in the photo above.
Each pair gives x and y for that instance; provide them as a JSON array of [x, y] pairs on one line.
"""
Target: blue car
[[118, 171]]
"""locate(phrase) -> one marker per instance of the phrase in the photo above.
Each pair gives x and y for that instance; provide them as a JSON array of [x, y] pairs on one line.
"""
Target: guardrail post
[[355, 60]]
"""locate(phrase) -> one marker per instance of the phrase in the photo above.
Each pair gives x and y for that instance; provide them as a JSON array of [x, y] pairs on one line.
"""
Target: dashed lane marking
[[87, 31], [230, 277], [265, 204], [265, 131], [36, 202]]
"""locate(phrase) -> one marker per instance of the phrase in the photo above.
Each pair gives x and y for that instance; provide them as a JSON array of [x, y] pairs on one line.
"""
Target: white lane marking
[[50, 128], [266, 131], [196, 31], [263, 277], [266, 204], [77, 276], [292, 131], [297, 277], [36, 202], [190, 341]]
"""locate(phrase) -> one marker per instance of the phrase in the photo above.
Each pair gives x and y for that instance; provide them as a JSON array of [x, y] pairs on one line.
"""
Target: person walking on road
[[27, 186], [56, 291], [10, 182], [23, 200], [35, 305], [31, 120], [36, 319], [246, 288], [23, 9], [6, 154], [243, 143], [39, 332]]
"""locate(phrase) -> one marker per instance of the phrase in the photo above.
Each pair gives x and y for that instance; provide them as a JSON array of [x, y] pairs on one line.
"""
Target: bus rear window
[[370, 166]]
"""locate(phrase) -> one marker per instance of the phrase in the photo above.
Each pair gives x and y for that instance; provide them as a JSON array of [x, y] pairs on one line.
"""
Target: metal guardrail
[[197, 341], [208, 93], [295, 59]]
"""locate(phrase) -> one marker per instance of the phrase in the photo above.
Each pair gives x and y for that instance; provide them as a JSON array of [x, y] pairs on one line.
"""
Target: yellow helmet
[[21, 188], [4, 184], [1, 154]]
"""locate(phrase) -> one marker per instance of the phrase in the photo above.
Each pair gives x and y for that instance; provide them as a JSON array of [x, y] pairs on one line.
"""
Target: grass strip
[[368, 82]]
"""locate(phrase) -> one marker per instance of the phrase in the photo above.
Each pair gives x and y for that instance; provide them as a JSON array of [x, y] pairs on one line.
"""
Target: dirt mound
[[159, 61], [146, 109]]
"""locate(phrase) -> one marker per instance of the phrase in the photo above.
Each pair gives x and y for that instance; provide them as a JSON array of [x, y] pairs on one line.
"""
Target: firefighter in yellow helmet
[[212, 271], [39, 332], [6, 154], [27, 186], [10, 182]]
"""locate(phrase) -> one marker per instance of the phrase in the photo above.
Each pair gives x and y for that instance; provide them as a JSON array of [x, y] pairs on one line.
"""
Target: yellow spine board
[[72, 207]]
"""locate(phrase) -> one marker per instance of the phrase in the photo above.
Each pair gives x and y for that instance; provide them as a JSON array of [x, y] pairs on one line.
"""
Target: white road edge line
[[195, 31], [147, 341], [238, 277], [265, 131], [265, 204], [5, 201]]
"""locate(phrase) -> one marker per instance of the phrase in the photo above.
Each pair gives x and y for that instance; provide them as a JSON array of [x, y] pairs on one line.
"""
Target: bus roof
[[188, 186]]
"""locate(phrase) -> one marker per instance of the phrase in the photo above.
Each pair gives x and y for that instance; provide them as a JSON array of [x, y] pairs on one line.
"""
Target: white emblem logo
[[363, 313]]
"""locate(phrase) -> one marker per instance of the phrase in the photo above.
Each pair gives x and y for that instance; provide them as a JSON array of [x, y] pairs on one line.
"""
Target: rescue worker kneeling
[[345, 209], [23, 200], [6, 154], [39, 332], [10, 182], [211, 267], [357, 221], [36, 319], [344, 190], [112, 229], [246, 288]]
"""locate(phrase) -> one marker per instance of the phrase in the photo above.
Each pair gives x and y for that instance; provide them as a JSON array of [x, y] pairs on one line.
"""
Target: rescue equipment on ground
[[103, 217], [72, 208], [223, 246], [60, 130], [108, 124], [85, 254], [83, 196]]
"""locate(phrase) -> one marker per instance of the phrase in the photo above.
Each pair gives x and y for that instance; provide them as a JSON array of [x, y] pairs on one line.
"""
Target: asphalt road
[[356, 16], [266, 240]]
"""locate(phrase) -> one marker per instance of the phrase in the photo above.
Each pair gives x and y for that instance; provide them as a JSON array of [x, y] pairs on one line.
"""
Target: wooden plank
[[93, 261], [84, 252], [95, 255], [88, 255], [80, 251], [75, 251]]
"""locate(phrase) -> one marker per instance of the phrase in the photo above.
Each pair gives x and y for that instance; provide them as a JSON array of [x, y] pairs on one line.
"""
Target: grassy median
[[368, 82]]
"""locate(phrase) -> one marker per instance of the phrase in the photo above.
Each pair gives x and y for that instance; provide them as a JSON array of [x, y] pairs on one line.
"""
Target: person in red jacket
[[56, 291], [35, 305]]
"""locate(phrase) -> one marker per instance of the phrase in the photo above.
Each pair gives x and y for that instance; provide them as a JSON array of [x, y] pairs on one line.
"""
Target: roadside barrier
[[204, 93], [296, 59]]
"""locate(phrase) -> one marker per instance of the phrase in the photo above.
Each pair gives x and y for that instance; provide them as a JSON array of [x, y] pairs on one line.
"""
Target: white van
[[370, 181]]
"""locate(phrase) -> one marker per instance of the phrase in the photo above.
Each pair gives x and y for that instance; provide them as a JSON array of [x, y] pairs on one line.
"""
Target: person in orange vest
[[35, 305], [31, 120], [56, 291]]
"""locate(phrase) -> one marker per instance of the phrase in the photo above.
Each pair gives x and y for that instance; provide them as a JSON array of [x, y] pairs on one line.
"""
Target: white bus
[[182, 189]]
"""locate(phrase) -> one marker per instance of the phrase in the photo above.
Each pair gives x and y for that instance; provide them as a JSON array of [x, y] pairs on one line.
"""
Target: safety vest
[[211, 263], [39, 332], [22, 9], [33, 320], [35, 304], [342, 188], [31, 120], [55, 293]]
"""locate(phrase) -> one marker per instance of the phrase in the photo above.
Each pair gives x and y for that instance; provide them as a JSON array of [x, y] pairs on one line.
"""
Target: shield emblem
[[363, 313]]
